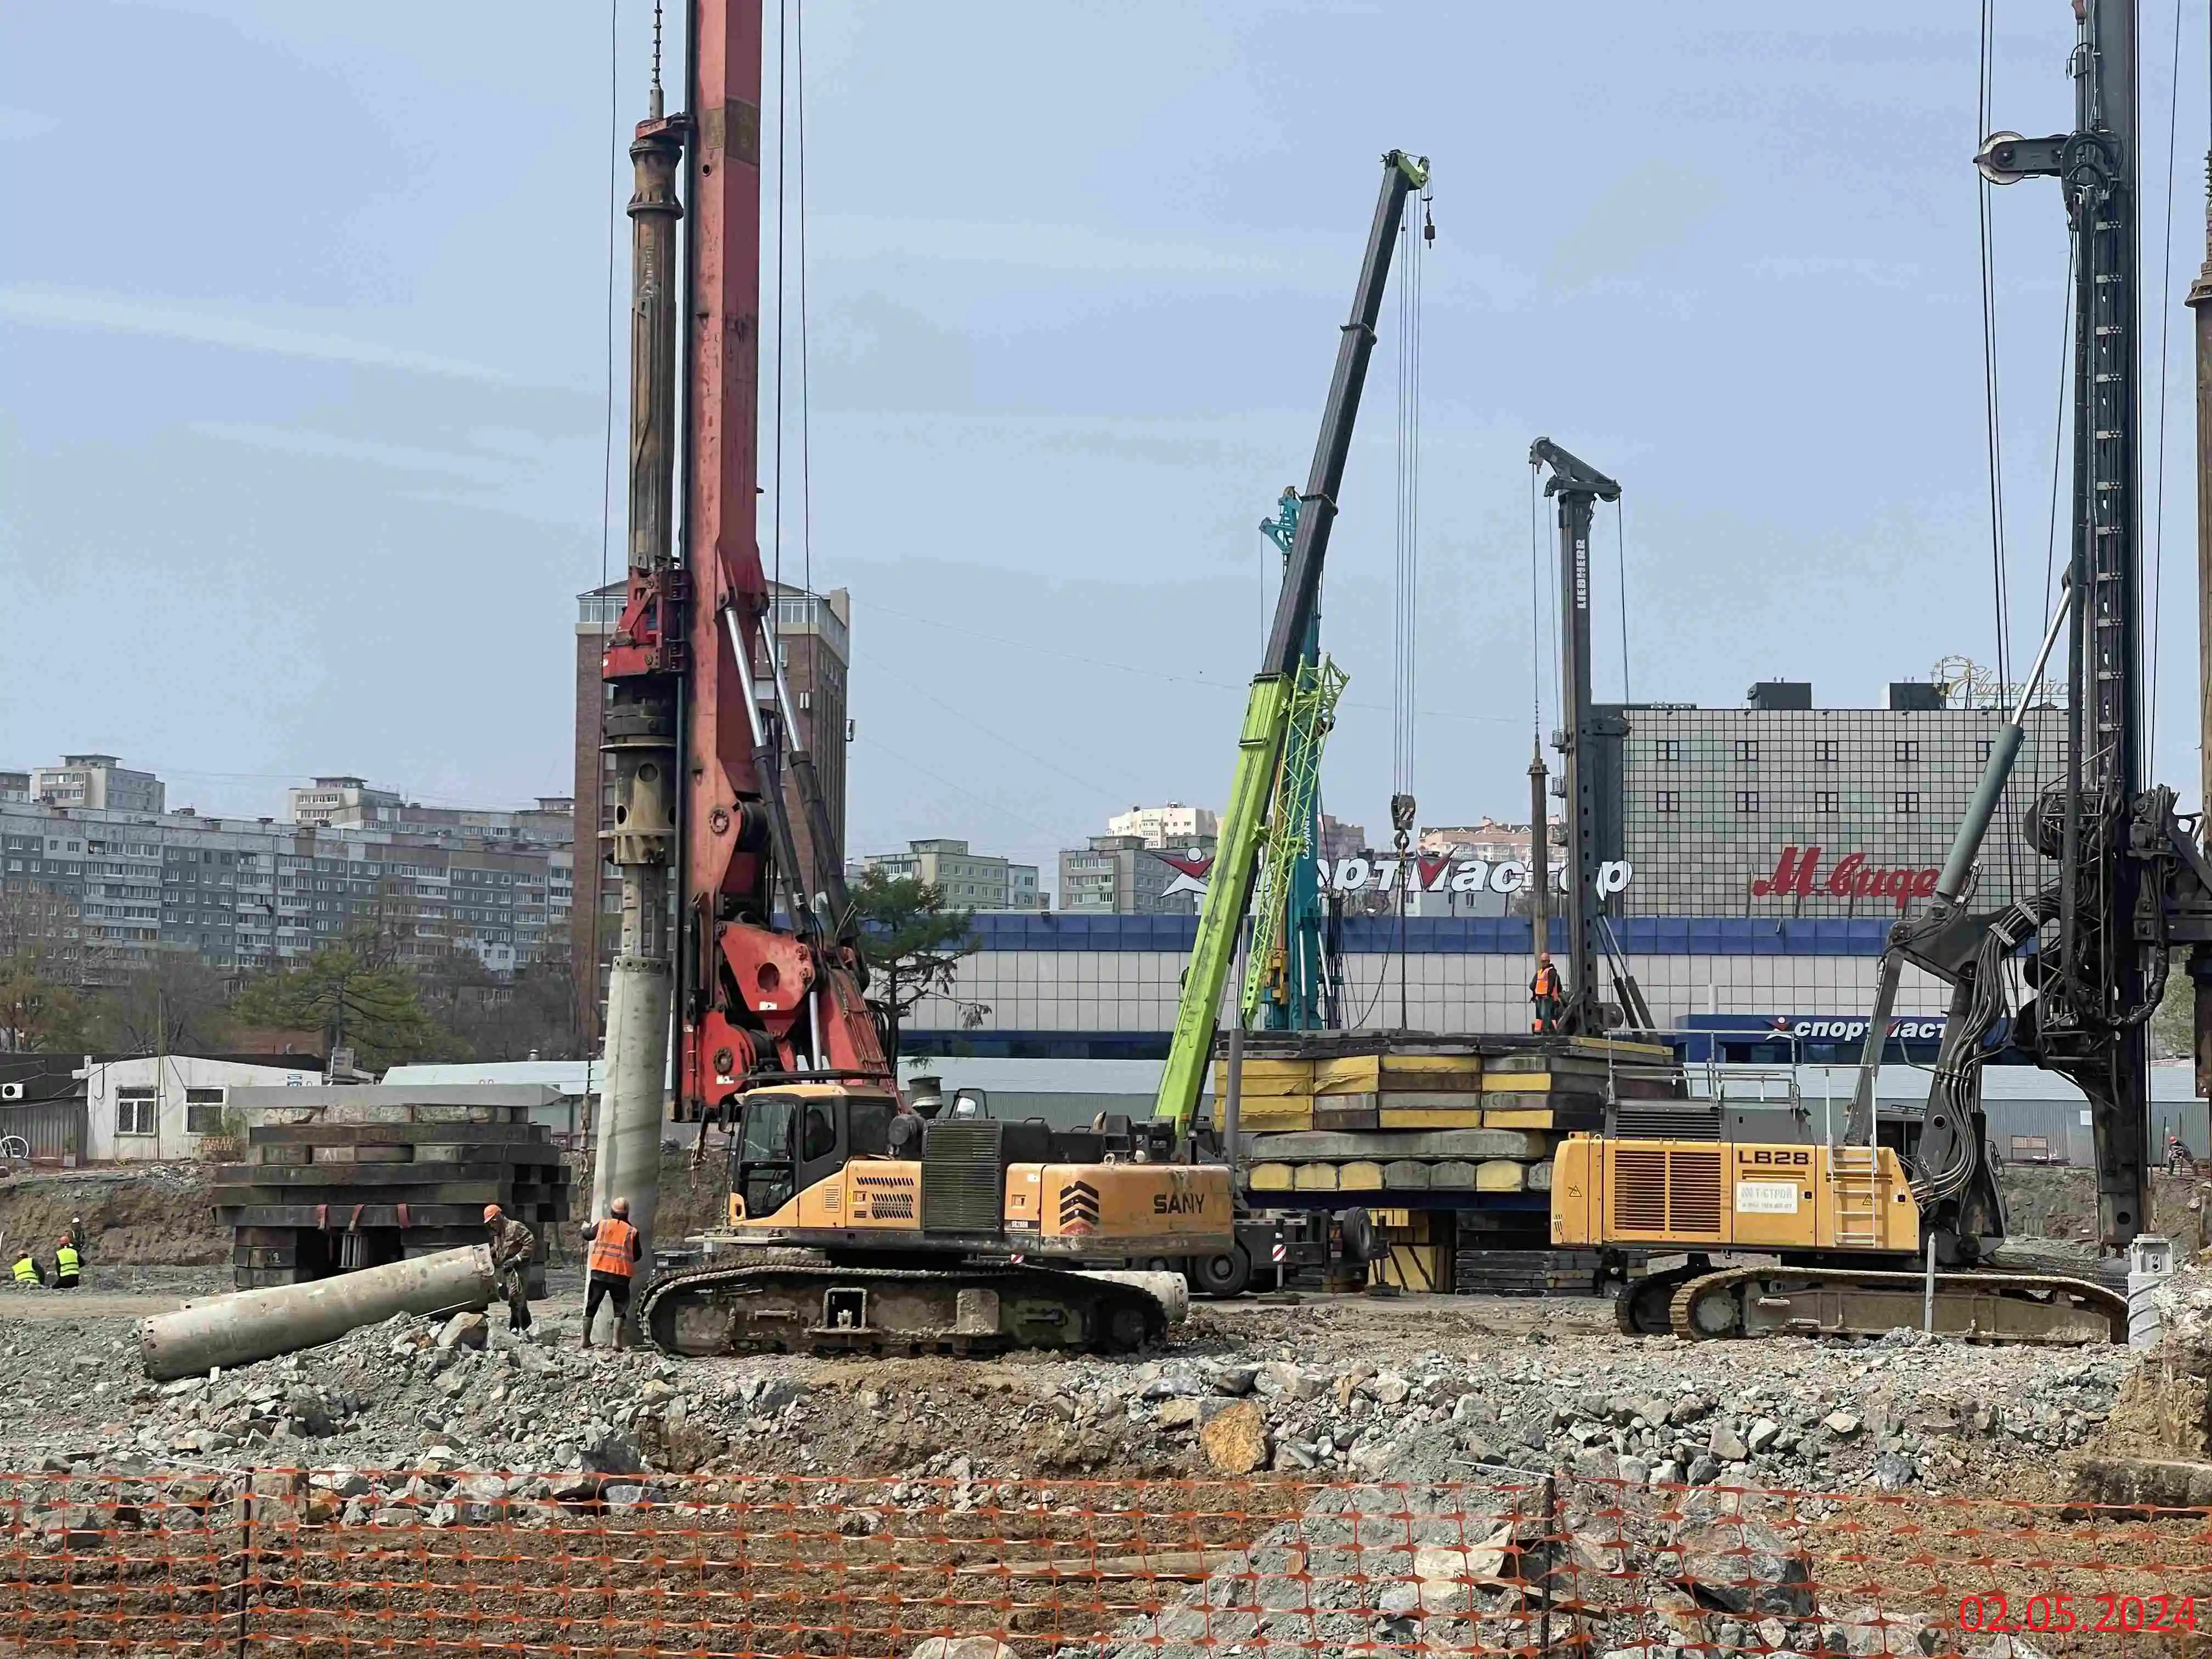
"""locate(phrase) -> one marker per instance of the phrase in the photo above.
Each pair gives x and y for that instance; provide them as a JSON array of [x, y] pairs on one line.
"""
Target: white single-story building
[[158, 1107]]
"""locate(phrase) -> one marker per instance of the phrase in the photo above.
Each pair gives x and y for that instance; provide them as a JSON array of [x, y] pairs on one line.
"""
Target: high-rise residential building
[[97, 780], [107, 889], [341, 800], [1491, 840], [1339, 840], [1119, 875], [970, 880], [14, 785], [349, 802], [814, 632], [1172, 825]]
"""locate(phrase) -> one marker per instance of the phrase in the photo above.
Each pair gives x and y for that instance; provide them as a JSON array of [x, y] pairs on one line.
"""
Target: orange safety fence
[[342, 1562]]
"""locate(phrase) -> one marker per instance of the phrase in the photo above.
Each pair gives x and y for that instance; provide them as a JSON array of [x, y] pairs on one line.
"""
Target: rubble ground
[[1415, 1387]]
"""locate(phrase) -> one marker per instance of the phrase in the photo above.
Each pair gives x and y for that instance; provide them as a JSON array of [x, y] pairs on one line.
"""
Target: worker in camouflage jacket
[[511, 1246]]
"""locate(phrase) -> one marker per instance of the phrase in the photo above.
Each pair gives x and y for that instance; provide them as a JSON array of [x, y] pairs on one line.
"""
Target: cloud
[[17, 124], [116, 313], [292, 441], [1032, 246], [1652, 207]]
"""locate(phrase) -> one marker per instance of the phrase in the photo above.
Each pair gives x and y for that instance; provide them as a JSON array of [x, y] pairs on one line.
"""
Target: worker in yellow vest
[[27, 1271], [615, 1251], [67, 1264]]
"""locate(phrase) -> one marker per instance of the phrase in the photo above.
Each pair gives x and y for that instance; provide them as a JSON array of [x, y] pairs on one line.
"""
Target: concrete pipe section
[[237, 1330], [1171, 1291]]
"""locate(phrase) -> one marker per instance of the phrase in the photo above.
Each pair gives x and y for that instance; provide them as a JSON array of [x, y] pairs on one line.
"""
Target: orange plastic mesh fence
[[342, 1562]]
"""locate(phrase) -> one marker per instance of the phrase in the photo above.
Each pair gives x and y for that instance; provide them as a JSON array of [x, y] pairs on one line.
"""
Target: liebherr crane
[[1268, 710], [840, 1236]]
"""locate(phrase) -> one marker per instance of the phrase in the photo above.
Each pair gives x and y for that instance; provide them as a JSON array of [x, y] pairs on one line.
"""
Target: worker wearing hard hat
[[68, 1265], [615, 1249], [27, 1272], [513, 1244], [1546, 995]]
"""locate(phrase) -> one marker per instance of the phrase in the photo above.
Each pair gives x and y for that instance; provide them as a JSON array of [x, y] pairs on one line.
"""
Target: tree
[[2173, 1027], [174, 1004], [532, 1012], [914, 944], [38, 1015], [356, 997]]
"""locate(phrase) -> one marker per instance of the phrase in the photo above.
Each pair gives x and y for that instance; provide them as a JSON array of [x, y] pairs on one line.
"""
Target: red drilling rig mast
[[698, 763]]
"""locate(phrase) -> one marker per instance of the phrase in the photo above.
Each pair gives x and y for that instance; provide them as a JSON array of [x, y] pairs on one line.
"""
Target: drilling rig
[[841, 1236], [2127, 883]]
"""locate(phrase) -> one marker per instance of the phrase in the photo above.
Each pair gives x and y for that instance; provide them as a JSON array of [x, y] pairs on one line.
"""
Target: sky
[[304, 371]]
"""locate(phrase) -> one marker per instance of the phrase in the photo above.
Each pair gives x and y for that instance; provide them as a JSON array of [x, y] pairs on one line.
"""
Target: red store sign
[[1798, 873]]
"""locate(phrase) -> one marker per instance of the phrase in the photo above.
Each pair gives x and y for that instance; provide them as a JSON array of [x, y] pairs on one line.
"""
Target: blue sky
[[302, 370]]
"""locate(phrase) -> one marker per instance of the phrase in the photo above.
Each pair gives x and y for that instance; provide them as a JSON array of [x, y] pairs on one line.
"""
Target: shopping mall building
[[1756, 858]]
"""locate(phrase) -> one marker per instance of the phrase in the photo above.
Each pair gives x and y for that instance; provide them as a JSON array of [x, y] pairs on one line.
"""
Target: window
[[1746, 800], [203, 1111], [1824, 752], [1663, 801], [1747, 749], [868, 1126], [134, 1111], [1907, 750], [1826, 801], [1908, 802], [1670, 748]]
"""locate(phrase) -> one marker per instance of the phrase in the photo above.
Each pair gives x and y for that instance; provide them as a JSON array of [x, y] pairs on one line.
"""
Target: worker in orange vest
[[615, 1253], [1545, 993]]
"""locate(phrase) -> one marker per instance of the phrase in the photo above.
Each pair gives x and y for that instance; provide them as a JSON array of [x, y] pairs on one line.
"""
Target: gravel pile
[[1905, 1411], [1233, 1394]]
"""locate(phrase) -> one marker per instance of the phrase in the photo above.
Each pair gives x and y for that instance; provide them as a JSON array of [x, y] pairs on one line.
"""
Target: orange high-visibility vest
[[1547, 983], [610, 1242]]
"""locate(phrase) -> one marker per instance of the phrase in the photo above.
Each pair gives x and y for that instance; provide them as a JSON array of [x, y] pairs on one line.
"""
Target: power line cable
[[1239, 688]]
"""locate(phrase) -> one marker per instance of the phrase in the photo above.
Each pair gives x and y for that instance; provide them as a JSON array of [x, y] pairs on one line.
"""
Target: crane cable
[[1405, 622], [580, 970], [1535, 613], [1992, 422], [2165, 330]]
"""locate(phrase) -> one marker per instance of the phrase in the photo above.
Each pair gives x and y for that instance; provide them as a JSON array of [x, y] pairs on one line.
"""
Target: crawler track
[[798, 1304], [1981, 1307]]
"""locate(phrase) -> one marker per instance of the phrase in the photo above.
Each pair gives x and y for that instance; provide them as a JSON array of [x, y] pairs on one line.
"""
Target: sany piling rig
[[701, 726]]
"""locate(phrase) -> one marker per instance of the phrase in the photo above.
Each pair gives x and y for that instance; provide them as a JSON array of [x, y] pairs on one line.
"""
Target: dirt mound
[[2164, 1407], [157, 1215]]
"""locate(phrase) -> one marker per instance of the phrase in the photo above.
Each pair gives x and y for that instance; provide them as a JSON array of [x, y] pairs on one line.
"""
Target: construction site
[[1590, 1329]]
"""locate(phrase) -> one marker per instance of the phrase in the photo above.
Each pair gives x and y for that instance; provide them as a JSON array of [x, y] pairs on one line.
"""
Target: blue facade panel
[[1665, 936]]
